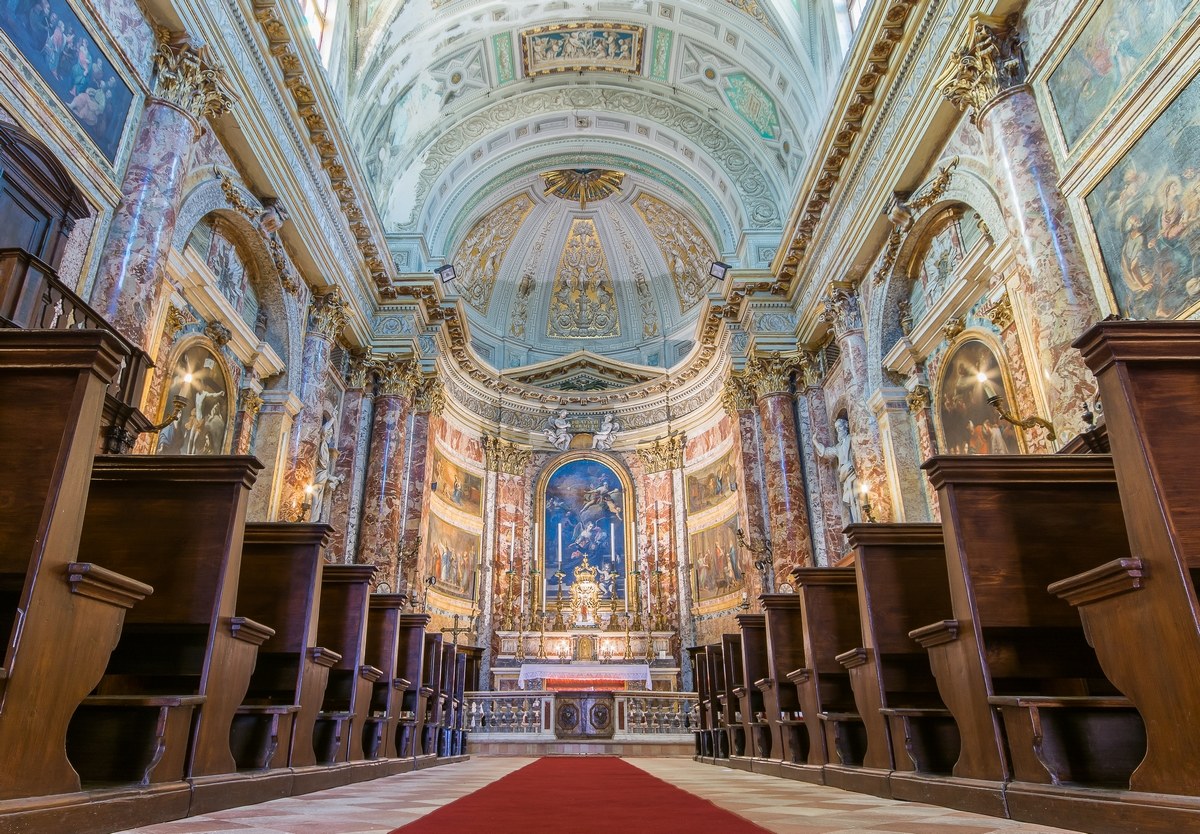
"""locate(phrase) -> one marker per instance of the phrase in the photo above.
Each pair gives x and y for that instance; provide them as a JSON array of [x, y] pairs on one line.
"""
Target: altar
[[584, 676], [585, 659]]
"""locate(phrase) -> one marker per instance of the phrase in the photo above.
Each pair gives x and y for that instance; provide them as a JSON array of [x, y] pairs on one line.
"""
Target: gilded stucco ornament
[[327, 314], [1001, 313], [187, 79], [174, 321], [737, 394], [252, 403], [903, 211], [990, 63], [918, 399], [662, 454], [771, 373], [358, 375], [841, 309], [398, 376], [430, 396], [504, 456], [218, 333], [582, 185]]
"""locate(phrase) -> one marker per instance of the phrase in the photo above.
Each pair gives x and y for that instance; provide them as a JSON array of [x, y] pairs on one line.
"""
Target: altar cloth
[[585, 671]]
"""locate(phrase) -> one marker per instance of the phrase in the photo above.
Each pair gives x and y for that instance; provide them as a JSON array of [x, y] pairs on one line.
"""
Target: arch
[[964, 420], [198, 375], [574, 503]]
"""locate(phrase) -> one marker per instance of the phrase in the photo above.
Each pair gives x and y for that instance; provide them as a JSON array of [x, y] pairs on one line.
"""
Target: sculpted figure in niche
[[559, 432], [841, 454], [607, 435], [324, 481]]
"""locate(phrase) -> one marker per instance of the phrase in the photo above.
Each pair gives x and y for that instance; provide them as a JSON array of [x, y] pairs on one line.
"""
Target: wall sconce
[[765, 561], [993, 398], [446, 272], [867, 515], [178, 403]]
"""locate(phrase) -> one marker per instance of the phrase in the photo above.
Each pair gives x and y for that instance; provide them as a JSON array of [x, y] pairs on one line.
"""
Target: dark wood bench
[[753, 629], [457, 729], [282, 566], [60, 618], [902, 585], [715, 666], [184, 660], [828, 606], [410, 653], [431, 683], [731, 660], [446, 697], [387, 695], [700, 675], [342, 627], [1140, 608], [1013, 661], [790, 737]]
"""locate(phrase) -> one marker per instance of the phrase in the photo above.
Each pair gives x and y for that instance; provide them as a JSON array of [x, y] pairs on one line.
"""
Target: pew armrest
[[936, 634], [90, 580], [144, 700], [1061, 701], [916, 712], [401, 684], [249, 631], [765, 684], [1120, 576], [426, 691], [854, 658], [740, 692], [324, 657], [799, 676], [840, 717], [267, 709], [370, 673]]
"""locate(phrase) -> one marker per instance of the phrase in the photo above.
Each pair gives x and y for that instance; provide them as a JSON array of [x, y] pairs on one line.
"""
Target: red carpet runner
[[586, 795]]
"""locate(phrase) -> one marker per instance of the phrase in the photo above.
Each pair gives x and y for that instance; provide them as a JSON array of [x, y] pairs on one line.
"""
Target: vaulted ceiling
[[709, 108]]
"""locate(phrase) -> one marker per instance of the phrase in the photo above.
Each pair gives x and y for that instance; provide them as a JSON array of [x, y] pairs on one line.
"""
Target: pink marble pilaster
[[383, 504], [416, 463], [753, 488], [927, 445], [347, 499], [130, 280], [246, 418], [512, 531], [785, 484]]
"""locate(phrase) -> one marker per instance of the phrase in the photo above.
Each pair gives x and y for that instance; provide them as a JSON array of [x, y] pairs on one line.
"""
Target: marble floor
[[779, 805]]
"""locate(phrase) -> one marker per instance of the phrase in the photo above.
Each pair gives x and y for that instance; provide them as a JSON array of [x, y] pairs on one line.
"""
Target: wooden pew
[[1141, 611], [474, 667], [790, 734], [446, 695], [753, 628], [431, 669], [716, 676], [342, 626], [60, 618], [700, 674], [829, 622], [282, 566], [383, 640], [731, 659], [460, 683], [902, 585], [409, 665], [165, 706], [1013, 661]]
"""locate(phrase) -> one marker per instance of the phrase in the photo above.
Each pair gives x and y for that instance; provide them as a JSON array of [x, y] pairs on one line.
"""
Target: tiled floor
[[779, 805]]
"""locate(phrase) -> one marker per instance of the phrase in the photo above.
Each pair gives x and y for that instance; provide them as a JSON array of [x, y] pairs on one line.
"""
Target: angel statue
[[604, 438], [841, 454], [558, 432]]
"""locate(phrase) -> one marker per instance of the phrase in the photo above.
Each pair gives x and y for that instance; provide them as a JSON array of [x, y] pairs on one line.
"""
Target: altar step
[[656, 748]]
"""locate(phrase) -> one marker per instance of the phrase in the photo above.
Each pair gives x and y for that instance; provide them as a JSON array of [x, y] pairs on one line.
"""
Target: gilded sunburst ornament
[[585, 185]]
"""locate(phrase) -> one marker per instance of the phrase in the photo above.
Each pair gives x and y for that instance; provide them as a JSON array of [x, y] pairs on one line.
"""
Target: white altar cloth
[[585, 671]]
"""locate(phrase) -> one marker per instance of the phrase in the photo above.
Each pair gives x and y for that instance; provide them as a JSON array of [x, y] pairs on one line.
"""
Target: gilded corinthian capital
[[662, 454], [842, 310], [771, 373], [737, 395], [506, 457], [991, 62], [398, 376], [327, 314], [187, 79]]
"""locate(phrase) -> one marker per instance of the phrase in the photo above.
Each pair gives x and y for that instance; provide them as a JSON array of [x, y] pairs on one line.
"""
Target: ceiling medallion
[[587, 185]]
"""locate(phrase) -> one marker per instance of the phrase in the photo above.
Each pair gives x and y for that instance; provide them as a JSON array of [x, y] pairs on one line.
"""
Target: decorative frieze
[[989, 64], [506, 457], [662, 454], [188, 80]]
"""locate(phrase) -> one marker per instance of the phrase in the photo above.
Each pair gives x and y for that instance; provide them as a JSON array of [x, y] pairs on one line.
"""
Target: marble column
[[738, 399], [918, 400], [326, 318], [380, 534], [507, 464], [987, 77], [824, 496], [130, 281], [770, 375], [901, 453], [427, 402], [350, 464], [275, 418], [844, 315]]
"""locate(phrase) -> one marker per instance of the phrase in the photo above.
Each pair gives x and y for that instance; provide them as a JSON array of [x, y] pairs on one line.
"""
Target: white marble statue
[[607, 435], [558, 432], [324, 481], [841, 454]]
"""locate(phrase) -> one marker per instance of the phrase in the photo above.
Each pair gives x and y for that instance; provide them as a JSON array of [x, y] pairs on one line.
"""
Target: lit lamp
[[993, 398], [867, 515]]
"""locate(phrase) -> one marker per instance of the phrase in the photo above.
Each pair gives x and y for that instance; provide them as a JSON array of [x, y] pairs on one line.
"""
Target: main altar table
[[623, 672]]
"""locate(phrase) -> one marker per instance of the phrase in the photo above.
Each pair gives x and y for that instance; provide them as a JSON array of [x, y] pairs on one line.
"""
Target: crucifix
[[457, 630]]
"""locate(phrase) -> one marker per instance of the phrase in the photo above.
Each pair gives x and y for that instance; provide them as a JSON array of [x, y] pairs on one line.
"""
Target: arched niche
[[967, 424], [584, 510], [205, 425]]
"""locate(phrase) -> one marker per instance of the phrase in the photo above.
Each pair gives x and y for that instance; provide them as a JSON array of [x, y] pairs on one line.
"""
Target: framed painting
[[967, 423], [455, 485], [203, 427], [454, 556], [52, 38], [709, 486], [584, 503], [1145, 212], [583, 47], [1109, 49], [714, 552]]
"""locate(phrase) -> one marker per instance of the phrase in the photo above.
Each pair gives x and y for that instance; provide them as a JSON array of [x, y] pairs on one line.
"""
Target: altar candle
[[560, 544], [512, 545], [612, 541], [522, 596]]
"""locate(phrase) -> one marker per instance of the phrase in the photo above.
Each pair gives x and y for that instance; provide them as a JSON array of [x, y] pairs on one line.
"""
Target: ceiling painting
[[479, 258], [583, 303], [582, 47], [660, 56], [750, 101], [506, 62]]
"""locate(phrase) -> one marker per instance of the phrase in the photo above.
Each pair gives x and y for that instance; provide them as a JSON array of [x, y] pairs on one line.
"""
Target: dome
[[583, 259]]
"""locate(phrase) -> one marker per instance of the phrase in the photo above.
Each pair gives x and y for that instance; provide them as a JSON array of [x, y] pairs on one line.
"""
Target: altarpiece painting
[[455, 485], [714, 552], [454, 556], [203, 426], [967, 422]]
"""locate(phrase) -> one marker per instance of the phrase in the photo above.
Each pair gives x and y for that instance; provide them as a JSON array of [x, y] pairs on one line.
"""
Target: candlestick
[[612, 540], [560, 544]]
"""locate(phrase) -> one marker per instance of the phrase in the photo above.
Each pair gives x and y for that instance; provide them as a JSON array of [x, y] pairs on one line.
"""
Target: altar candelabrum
[[628, 639], [559, 623], [637, 599], [660, 616], [541, 616], [507, 620], [520, 639], [534, 588], [764, 559], [430, 581]]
